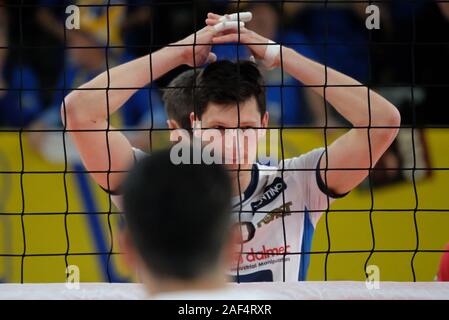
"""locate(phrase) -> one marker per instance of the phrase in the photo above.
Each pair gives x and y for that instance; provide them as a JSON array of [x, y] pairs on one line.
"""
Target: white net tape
[[251, 291]]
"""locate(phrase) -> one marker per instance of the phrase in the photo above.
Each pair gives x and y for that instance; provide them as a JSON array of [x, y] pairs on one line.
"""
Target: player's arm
[[362, 107], [89, 107], [359, 105]]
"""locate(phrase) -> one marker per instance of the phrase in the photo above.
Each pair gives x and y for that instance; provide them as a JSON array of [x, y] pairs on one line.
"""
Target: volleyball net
[[54, 218]]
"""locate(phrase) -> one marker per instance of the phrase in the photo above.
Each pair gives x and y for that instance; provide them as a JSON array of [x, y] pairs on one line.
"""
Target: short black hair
[[178, 98], [225, 82], [178, 216]]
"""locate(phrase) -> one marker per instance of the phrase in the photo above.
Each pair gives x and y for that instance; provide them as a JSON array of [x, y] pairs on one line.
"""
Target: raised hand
[[196, 48], [262, 48]]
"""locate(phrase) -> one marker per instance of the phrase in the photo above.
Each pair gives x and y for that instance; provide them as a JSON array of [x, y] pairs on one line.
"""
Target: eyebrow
[[242, 124]]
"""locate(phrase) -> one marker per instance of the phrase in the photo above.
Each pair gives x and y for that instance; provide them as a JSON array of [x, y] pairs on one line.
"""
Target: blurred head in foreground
[[178, 217]]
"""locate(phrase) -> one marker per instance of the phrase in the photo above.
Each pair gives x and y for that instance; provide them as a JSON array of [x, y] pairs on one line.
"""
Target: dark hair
[[178, 98], [225, 82], [178, 216]]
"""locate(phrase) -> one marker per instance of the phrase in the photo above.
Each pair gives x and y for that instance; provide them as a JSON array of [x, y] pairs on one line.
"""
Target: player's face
[[245, 116]]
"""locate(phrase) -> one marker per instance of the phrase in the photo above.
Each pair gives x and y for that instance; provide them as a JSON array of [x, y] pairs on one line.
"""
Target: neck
[[208, 283]]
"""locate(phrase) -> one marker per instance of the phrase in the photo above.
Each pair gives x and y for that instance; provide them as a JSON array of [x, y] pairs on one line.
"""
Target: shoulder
[[306, 169], [138, 155], [307, 160], [295, 168], [297, 172]]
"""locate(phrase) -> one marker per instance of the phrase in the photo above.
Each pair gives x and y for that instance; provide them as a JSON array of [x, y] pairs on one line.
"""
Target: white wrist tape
[[228, 25], [244, 16], [271, 53]]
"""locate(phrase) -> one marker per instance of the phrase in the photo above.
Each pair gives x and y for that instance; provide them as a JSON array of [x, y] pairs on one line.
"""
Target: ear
[[172, 124], [192, 119], [265, 119], [261, 133]]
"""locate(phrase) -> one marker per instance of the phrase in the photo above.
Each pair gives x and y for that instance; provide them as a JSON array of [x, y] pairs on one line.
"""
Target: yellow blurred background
[[35, 210]]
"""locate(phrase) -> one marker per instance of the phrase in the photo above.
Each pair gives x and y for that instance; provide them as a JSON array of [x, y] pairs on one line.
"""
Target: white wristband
[[271, 53]]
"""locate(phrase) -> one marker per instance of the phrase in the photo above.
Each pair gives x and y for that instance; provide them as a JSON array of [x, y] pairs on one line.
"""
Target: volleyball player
[[282, 205], [279, 206]]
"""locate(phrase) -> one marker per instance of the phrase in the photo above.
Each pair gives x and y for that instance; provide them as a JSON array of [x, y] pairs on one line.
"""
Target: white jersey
[[290, 197]]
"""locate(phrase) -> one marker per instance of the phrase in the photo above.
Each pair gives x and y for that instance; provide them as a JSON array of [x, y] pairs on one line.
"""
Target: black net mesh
[[53, 215]]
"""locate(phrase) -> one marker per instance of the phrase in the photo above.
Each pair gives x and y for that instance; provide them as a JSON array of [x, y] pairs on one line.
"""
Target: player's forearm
[[348, 96], [97, 99]]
